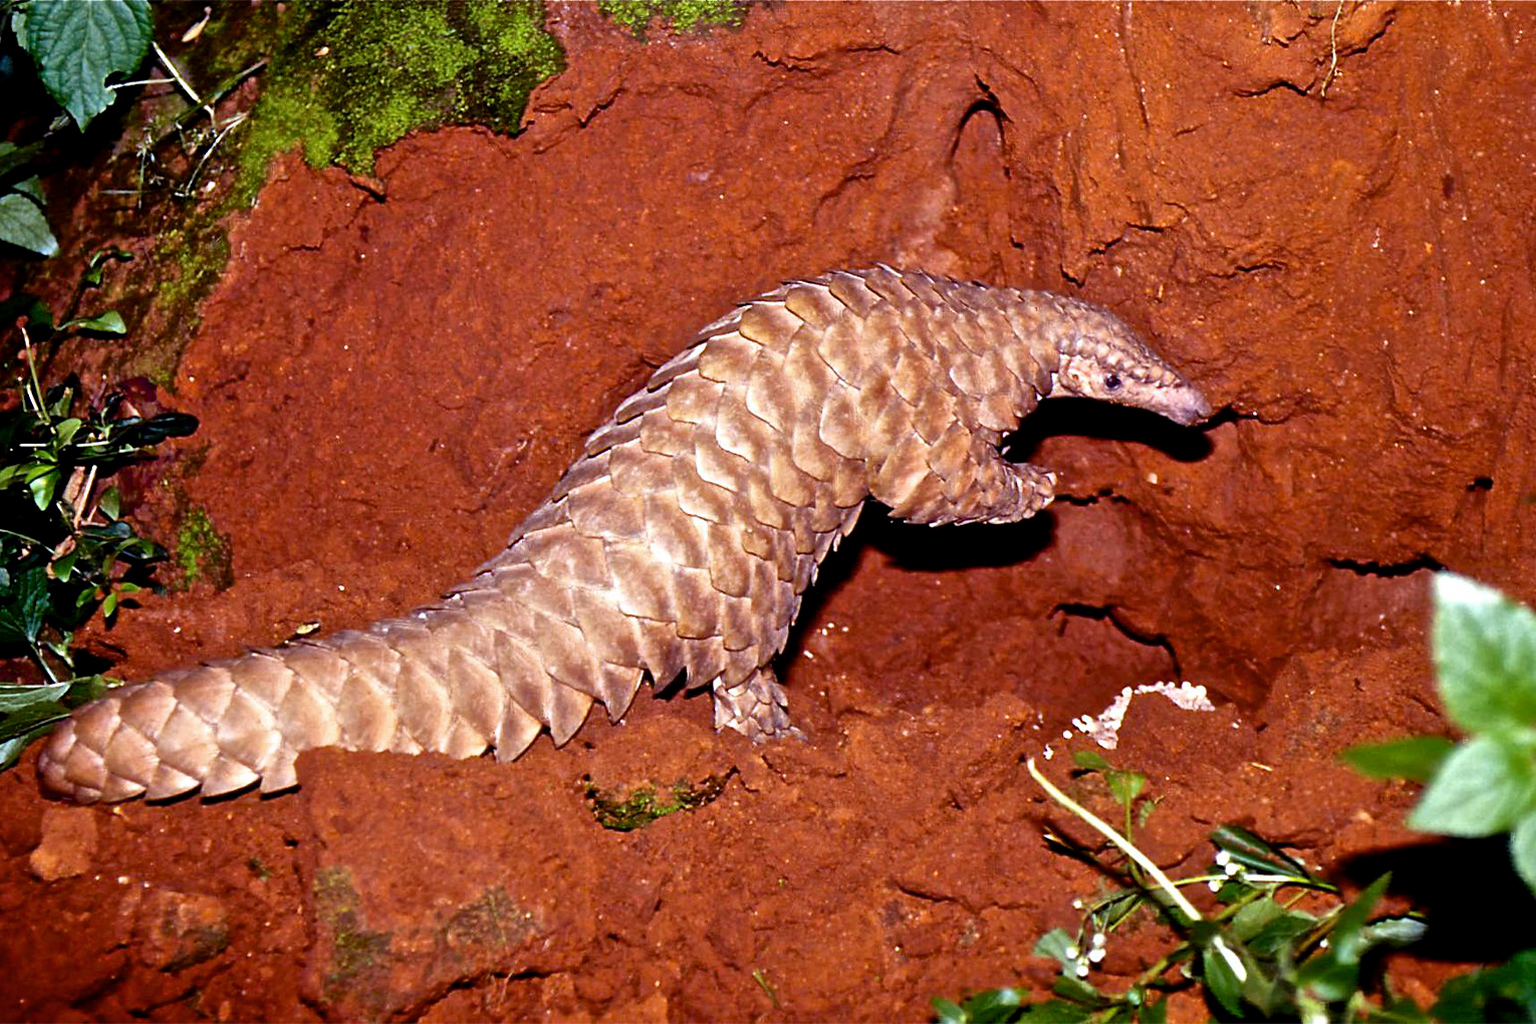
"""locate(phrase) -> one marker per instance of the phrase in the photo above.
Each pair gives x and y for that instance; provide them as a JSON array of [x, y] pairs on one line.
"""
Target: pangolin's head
[[1100, 357]]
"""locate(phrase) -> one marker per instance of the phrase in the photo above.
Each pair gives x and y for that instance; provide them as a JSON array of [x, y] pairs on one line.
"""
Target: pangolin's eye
[[1111, 382]]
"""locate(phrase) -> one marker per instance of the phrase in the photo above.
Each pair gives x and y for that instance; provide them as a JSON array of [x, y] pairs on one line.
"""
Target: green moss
[[684, 15], [189, 259], [355, 950], [351, 77], [622, 810], [193, 945], [285, 120], [202, 552], [494, 921]]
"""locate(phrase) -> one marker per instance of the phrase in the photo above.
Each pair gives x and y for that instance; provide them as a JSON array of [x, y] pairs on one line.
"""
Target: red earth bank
[[1323, 216]]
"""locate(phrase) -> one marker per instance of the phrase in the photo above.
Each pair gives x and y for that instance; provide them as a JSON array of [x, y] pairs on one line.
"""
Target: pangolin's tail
[[453, 678]]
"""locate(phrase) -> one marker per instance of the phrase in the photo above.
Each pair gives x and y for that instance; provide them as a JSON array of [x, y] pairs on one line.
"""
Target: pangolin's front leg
[[681, 541]]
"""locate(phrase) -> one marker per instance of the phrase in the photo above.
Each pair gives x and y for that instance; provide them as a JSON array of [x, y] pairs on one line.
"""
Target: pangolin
[[681, 540]]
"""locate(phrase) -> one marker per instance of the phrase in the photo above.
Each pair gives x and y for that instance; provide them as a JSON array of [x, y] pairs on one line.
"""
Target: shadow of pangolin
[[682, 540]]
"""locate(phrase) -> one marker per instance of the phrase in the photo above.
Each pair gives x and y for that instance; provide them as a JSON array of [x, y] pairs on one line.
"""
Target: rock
[[178, 929], [68, 847]]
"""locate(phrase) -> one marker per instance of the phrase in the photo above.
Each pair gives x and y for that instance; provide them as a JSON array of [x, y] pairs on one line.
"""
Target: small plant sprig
[[1258, 957], [65, 550]]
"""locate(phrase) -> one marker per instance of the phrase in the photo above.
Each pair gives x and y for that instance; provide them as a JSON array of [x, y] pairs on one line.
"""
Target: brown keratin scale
[[681, 541]]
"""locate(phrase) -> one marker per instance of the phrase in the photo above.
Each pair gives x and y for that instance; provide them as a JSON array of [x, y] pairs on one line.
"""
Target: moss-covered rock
[[351, 77]]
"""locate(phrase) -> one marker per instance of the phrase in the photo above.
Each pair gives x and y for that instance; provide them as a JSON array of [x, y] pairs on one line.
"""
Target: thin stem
[[186, 86], [1234, 962], [1098, 825], [142, 81], [36, 393], [84, 498], [231, 124]]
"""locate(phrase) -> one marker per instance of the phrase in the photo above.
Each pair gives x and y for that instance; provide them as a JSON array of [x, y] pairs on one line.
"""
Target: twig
[[84, 506], [186, 86], [231, 124], [1333, 51], [223, 89]]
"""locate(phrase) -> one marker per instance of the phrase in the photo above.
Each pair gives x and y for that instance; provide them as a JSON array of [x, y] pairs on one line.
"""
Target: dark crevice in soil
[[1108, 614], [1422, 563], [1103, 494]]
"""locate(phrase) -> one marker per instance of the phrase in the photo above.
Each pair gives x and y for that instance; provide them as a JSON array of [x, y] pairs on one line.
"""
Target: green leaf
[[1254, 917], [947, 1012], [76, 46], [88, 688], [22, 222], [1329, 979], [1091, 760], [1220, 978], [1125, 786], [1500, 993], [1281, 934], [998, 1004], [1077, 990], [16, 697], [1054, 1011], [110, 503], [1256, 853], [110, 322], [1485, 653], [1483, 787], [14, 157], [1522, 849], [98, 263], [1345, 941], [43, 481], [1055, 944], [1412, 757], [1394, 931], [23, 607]]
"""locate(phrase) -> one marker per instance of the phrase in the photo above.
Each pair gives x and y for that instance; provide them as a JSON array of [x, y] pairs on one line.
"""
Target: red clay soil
[[1322, 214]]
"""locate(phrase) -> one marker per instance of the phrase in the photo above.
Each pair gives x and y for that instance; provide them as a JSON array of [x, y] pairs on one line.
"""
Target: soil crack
[[1108, 613]]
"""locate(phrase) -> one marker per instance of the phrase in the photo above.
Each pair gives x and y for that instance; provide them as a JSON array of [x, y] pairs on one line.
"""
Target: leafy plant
[[65, 550], [1124, 785], [76, 47], [1485, 661], [1503, 993], [1258, 957]]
